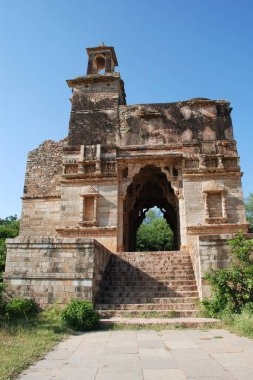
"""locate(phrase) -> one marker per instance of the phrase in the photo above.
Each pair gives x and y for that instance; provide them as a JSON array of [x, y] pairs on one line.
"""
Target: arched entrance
[[150, 188]]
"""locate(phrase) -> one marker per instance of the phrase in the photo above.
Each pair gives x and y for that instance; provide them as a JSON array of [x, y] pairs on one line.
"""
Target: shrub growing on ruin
[[80, 315], [232, 287]]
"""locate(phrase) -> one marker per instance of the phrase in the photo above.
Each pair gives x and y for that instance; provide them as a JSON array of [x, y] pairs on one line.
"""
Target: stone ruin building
[[86, 195]]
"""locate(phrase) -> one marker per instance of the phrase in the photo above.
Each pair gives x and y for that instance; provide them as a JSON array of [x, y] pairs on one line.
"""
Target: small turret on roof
[[101, 58]]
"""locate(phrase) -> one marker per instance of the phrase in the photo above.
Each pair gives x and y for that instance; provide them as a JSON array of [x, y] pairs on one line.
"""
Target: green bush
[[20, 308], [232, 287], [9, 228], [80, 315]]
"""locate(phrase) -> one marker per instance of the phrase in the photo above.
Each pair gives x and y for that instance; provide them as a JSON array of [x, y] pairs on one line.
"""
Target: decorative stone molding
[[86, 231], [191, 163], [212, 187], [217, 229]]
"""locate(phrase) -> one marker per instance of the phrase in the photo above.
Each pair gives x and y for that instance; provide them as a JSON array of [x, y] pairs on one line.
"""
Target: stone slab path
[[213, 354]]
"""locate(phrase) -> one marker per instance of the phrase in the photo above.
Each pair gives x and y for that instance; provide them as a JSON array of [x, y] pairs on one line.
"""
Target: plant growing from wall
[[232, 287]]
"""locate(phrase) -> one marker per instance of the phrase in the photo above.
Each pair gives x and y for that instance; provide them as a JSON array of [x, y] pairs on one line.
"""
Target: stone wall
[[55, 270], [94, 115], [44, 167], [181, 122], [195, 201], [101, 260], [42, 190], [40, 216]]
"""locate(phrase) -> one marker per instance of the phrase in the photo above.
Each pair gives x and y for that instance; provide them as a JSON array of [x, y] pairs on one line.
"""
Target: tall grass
[[23, 342], [241, 324]]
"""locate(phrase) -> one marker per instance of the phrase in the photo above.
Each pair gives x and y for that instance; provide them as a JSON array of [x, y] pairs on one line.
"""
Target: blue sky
[[168, 50]]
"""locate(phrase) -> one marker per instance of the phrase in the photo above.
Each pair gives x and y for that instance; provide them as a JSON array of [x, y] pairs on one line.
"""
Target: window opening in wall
[[89, 208], [154, 233], [214, 204], [99, 64]]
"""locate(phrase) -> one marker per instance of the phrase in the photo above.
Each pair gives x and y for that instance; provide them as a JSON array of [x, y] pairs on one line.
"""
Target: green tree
[[9, 228], [249, 208], [154, 234]]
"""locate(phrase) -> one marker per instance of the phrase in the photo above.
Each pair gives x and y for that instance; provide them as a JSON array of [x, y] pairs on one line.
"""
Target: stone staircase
[[148, 284]]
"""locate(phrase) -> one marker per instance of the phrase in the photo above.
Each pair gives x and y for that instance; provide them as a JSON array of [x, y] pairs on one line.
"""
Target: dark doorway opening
[[149, 188]]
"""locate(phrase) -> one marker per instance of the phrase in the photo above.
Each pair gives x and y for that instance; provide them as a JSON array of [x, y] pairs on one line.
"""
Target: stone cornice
[[191, 102], [79, 81], [149, 157], [47, 276], [46, 197], [86, 231], [178, 146], [209, 229], [76, 180], [208, 175]]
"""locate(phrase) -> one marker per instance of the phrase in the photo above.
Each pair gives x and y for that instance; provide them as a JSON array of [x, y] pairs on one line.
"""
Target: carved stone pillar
[[120, 245], [182, 220]]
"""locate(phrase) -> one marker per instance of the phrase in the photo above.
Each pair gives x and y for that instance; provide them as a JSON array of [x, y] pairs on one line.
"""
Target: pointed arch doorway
[[149, 188]]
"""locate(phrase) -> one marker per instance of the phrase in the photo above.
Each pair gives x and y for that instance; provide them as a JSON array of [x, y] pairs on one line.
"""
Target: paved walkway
[[148, 355]]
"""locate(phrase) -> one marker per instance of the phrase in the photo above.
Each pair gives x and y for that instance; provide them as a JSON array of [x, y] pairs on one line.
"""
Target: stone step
[[153, 254], [146, 289], [145, 299], [150, 271], [147, 306], [160, 263], [147, 313], [149, 289], [183, 322], [143, 284], [170, 300], [119, 277], [154, 273], [149, 258]]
